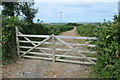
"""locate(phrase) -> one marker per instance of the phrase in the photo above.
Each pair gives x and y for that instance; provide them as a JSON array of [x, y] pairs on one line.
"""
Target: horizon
[[70, 22]]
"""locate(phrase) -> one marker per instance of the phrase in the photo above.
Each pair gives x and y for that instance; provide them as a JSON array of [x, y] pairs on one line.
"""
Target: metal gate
[[38, 49]]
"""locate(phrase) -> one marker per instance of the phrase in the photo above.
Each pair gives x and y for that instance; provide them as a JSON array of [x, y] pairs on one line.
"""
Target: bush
[[108, 62], [74, 24], [57, 29], [108, 49], [87, 30], [39, 29], [8, 39]]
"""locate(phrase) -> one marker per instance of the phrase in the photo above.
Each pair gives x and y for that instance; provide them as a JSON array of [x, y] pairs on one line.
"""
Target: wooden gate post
[[17, 41], [53, 47]]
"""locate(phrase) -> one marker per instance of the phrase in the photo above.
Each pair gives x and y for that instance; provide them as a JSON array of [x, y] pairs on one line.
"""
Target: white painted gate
[[38, 51]]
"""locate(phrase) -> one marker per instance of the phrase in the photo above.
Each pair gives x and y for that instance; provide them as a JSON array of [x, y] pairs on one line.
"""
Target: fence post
[[17, 41], [53, 47]]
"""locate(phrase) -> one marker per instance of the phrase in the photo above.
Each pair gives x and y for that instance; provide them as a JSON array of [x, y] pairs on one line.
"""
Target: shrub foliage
[[8, 39], [87, 30], [108, 62]]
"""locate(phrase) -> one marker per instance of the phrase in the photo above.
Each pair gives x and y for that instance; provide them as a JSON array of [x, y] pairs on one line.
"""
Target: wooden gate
[[38, 49]]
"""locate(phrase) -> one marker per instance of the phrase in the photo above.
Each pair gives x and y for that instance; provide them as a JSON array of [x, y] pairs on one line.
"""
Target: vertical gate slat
[[53, 47], [17, 41]]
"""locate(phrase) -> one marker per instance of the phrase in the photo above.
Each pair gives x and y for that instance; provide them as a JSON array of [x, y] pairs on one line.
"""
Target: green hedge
[[57, 29], [8, 39], [42, 29], [108, 63], [73, 24], [87, 30]]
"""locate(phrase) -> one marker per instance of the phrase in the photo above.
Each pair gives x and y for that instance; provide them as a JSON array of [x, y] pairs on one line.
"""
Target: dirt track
[[31, 68]]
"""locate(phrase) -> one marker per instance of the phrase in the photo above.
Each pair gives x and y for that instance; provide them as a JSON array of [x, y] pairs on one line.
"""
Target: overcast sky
[[75, 10]]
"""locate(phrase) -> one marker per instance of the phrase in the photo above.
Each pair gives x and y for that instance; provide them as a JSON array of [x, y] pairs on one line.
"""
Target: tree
[[8, 8], [28, 11], [104, 20], [20, 8], [38, 20], [41, 21], [11, 8]]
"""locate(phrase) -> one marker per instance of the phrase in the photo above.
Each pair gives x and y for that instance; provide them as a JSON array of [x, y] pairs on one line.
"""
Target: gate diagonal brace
[[68, 52], [75, 50], [32, 43], [36, 46]]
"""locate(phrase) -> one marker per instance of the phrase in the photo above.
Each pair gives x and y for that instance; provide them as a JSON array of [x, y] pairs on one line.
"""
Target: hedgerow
[[108, 62], [57, 29], [87, 30], [8, 39]]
